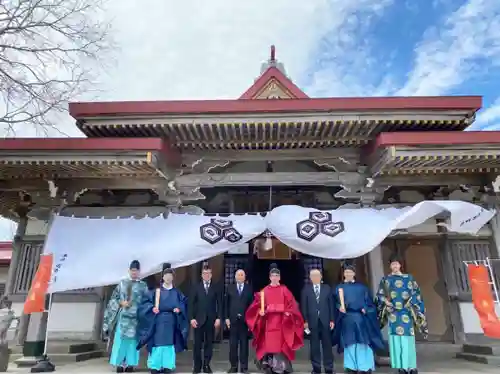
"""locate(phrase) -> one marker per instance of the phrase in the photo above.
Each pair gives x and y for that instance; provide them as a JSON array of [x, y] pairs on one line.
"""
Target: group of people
[[346, 316]]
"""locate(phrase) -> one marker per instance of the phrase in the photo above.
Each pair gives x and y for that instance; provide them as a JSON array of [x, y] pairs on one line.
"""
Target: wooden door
[[422, 261]]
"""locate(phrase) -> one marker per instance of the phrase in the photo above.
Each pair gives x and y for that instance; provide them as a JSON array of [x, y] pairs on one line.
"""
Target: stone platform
[[434, 358]]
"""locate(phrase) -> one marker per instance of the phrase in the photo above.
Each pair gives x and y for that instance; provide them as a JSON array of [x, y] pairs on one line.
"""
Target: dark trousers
[[238, 343], [203, 337], [320, 338]]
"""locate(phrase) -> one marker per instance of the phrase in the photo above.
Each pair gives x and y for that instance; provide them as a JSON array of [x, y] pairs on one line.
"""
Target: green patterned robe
[[127, 289], [408, 309]]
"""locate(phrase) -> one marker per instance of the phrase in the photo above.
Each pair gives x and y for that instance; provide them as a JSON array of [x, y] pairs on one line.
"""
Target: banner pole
[[48, 322], [493, 281], [45, 365]]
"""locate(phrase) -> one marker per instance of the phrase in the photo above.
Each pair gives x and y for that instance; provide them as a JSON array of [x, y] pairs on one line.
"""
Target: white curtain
[[90, 252]]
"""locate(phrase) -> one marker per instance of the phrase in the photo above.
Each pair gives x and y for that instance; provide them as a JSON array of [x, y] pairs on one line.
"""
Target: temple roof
[[286, 118], [56, 158], [434, 153], [465, 105]]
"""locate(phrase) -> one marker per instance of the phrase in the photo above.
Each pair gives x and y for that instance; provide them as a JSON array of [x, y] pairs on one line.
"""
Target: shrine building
[[274, 145]]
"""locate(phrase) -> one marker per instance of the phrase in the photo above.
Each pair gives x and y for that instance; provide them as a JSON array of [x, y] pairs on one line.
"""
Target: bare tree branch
[[49, 53]]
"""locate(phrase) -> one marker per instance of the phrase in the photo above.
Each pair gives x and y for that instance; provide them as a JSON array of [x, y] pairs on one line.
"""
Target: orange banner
[[482, 297], [35, 302]]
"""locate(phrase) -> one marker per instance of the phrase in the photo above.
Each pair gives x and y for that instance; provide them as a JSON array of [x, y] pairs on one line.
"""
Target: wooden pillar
[[15, 263], [376, 267], [98, 319], [34, 344], [376, 272], [16, 255], [495, 228]]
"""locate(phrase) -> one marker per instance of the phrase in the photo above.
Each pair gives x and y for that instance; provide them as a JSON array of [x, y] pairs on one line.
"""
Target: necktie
[[316, 292], [240, 288], [206, 287]]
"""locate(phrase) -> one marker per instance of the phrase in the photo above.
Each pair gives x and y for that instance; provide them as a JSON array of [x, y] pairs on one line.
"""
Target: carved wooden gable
[[273, 84], [274, 90]]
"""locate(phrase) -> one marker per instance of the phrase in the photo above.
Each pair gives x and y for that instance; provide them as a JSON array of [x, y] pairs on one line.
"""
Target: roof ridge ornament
[[273, 62], [272, 59]]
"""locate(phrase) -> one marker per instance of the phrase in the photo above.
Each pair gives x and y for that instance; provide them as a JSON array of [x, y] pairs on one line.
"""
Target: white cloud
[[344, 62], [206, 50], [488, 118], [489, 115], [451, 54]]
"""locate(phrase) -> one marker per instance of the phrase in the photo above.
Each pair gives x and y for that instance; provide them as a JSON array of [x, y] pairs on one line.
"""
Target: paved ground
[[433, 359], [100, 366]]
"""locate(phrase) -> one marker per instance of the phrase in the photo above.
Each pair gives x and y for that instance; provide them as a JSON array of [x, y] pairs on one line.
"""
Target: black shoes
[[207, 369], [121, 369], [232, 370]]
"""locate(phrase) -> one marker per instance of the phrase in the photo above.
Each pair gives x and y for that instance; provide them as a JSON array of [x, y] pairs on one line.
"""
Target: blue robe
[[165, 333], [357, 334]]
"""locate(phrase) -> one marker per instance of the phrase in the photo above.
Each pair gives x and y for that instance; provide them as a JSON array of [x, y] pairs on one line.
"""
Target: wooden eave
[[436, 153], [275, 131], [84, 158]]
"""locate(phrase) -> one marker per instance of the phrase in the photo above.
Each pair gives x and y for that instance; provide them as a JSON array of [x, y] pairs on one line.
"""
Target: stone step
[[57, 358], [57, 347], [482, 349], [480, 359]]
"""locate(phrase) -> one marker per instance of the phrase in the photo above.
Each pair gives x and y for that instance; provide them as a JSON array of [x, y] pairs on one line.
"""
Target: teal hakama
[[124, 322], [124, 350], [357, 331], [406, 314], [163, 331], [162, 358], [359, 357], [403, 352]]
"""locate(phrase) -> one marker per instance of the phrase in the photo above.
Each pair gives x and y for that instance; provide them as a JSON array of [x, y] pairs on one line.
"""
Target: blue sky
[[199, 49], [431, 47]]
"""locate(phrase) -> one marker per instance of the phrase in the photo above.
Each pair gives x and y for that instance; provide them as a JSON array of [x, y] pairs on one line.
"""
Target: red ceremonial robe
[[281, 329]]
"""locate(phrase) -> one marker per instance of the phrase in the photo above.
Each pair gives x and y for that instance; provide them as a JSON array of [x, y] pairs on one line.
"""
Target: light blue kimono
[[124, 321]]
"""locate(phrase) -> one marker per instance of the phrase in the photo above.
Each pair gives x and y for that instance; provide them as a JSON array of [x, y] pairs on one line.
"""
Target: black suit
[[205, 308], [318, 316], [236, 305]]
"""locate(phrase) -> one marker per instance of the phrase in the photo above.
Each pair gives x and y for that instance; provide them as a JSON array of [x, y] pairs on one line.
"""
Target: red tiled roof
[[5, 252], [388, 139], [84, 110]]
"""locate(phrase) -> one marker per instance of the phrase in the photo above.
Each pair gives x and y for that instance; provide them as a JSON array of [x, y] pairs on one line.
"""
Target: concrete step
[[57, 347], [480, 359], [482, 349], [57, 358]]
